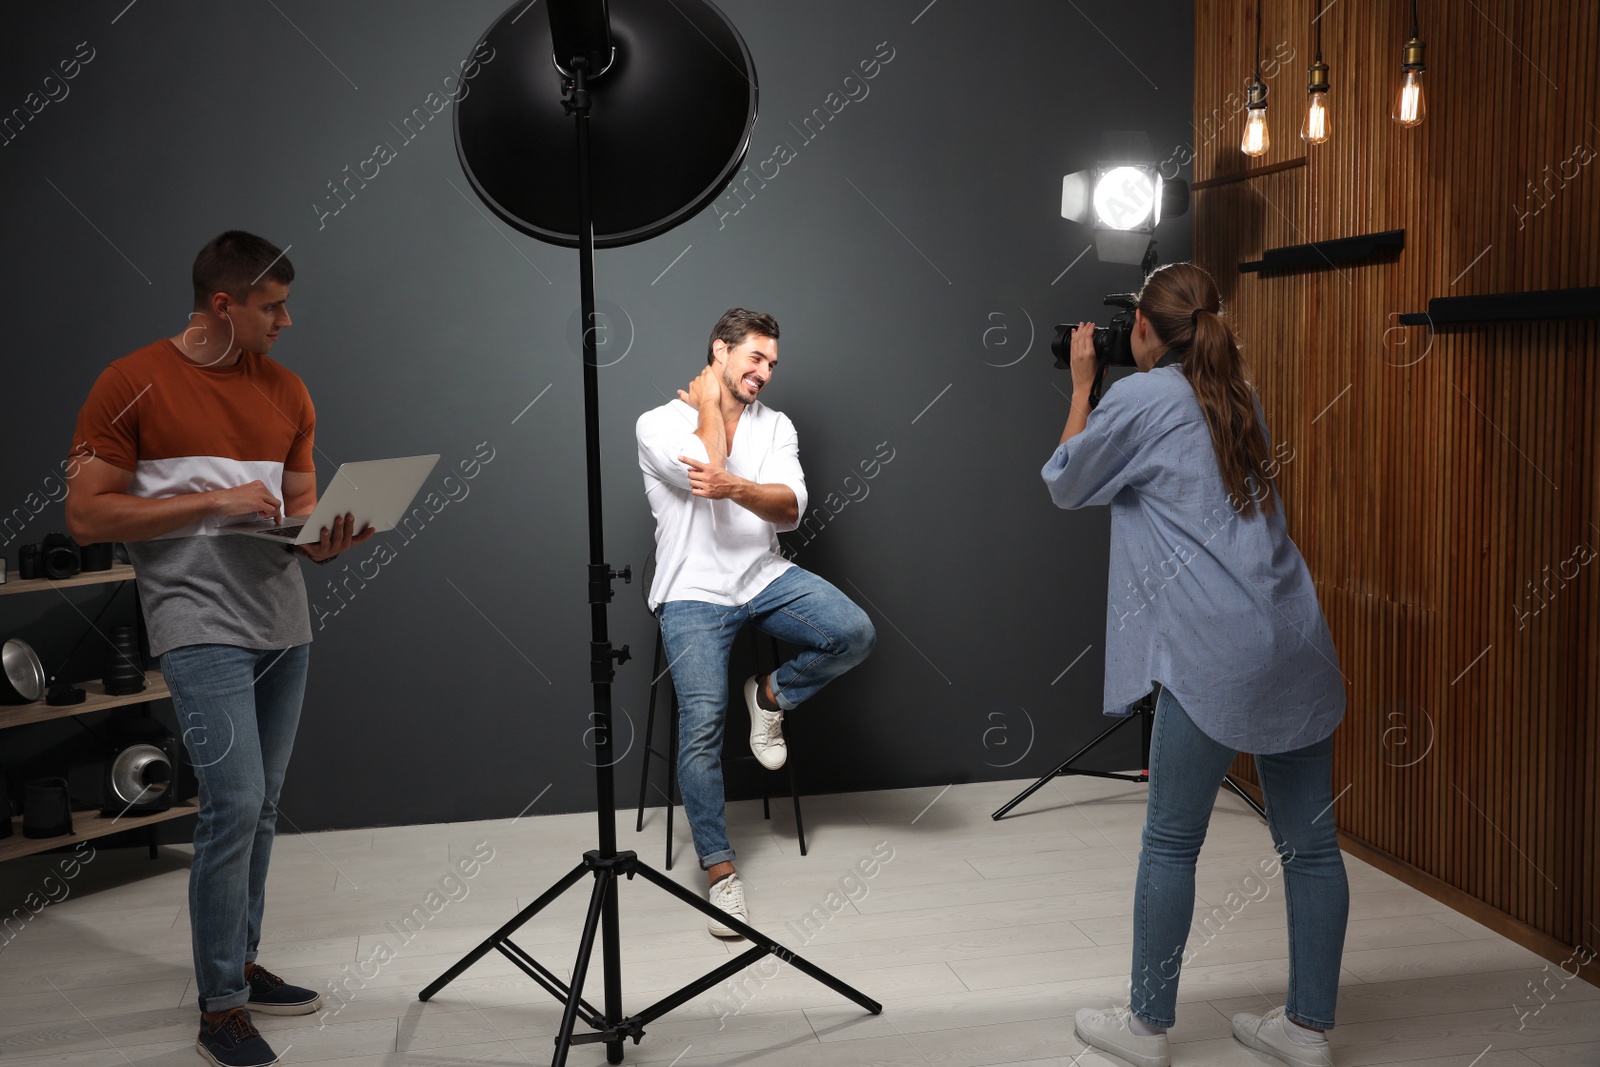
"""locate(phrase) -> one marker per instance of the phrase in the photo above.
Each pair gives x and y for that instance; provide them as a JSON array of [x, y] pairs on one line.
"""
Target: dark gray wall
[[912, 252]]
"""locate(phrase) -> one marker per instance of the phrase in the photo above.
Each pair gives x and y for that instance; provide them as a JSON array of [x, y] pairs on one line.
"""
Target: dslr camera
[[57, 557], [1112, 342]]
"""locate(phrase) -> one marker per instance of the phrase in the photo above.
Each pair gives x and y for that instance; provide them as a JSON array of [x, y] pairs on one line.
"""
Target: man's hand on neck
[[719, 413]]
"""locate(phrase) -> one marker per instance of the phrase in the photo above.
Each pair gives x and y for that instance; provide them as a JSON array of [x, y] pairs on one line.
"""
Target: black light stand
[[1144, 712], [606, 864]]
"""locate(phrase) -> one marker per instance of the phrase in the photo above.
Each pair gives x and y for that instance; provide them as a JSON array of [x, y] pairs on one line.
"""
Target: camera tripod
[[1144, 712]]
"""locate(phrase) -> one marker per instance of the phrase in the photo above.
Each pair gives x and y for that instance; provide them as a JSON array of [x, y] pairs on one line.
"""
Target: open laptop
[[377, 492]]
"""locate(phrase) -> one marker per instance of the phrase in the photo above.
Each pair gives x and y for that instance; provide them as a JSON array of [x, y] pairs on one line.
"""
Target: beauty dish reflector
[[671, 122]]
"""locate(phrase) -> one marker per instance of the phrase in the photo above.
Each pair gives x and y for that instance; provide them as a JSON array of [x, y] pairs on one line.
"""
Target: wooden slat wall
[[1436, 475]]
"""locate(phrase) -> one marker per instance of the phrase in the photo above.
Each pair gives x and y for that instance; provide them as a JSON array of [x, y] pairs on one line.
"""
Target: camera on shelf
[[1112, 342], [57, 557]]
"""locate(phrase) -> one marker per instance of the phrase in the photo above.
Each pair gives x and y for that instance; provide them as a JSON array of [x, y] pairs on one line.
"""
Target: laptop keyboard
[[285, 531]]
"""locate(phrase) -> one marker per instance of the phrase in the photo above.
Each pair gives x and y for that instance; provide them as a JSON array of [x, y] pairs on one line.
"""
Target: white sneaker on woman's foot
[[766, 728], [1265, 1033], [728, 894], [1107, 1030]]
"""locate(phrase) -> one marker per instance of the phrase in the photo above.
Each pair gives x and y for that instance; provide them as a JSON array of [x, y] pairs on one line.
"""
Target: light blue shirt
[[1216, 607]]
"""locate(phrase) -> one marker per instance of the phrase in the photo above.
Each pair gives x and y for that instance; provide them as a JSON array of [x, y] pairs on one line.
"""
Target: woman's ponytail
[[1182, 304]]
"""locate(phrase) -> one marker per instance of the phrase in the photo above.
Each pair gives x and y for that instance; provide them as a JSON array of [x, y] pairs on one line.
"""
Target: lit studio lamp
[[1123, 200]]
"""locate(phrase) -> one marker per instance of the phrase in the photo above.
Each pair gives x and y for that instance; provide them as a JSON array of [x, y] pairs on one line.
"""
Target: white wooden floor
[[980, 938]]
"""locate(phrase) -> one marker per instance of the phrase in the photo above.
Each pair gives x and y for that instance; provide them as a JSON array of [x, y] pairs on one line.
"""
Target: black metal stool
[[663, 676]]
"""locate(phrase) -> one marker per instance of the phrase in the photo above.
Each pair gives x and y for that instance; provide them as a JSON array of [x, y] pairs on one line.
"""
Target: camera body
[[57, 558], [1113, 342]]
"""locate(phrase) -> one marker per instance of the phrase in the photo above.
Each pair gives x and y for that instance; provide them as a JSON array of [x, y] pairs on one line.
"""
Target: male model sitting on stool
[[722, 475]]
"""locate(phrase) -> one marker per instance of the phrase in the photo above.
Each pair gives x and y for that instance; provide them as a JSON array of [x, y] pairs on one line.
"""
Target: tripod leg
[[484, 948], [1233, 785], [591, 926], [761, 942], [1063, 769]]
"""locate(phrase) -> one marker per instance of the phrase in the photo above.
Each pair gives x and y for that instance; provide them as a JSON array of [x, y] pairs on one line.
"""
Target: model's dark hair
[[735, 325], [234, 263], [1215, 370]]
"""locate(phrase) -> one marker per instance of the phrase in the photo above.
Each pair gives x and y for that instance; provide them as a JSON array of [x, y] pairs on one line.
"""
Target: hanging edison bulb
[[1256, 141], [1409, 107], [1315, 128]]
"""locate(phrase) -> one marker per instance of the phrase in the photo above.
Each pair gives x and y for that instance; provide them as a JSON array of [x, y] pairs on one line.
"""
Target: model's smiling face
[[748, 366]]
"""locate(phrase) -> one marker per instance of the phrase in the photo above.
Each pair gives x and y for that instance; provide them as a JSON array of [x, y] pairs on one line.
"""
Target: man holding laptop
[[189, 435]]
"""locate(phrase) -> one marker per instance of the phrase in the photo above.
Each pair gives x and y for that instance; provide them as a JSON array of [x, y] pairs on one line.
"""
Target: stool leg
[[794, 793], [673, 797], [794, 787], [649, 736]]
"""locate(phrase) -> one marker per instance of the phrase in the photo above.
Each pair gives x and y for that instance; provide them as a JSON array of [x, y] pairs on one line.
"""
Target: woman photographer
[[1210, 599]]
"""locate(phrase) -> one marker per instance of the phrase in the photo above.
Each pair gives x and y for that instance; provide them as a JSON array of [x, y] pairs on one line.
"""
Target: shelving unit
[[95, 699], [119, 572], [85, 825]]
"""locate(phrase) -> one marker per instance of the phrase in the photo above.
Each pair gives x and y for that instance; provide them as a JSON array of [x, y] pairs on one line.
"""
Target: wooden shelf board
[[95, 700], [119, 572], [85, 825]]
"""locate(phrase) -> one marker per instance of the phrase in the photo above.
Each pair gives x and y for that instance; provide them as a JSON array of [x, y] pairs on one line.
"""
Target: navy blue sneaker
[[234, 1041], [271, 995]]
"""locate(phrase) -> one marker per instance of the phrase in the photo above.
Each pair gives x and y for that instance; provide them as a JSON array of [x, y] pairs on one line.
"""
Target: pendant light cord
[[1258, 36], [1319, 40], [1415, 29]]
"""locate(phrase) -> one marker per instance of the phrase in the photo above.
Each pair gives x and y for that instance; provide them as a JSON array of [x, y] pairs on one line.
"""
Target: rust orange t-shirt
[[181, 427]]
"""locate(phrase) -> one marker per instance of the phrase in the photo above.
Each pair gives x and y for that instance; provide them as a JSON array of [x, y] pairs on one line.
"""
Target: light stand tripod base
[[1144, 711], [606, 871]]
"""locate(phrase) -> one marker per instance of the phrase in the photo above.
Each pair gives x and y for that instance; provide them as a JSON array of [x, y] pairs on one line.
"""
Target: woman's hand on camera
[[1085, 364]]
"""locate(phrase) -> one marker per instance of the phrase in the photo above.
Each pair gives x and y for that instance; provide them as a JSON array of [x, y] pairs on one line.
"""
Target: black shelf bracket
[[1532, 306], [1320, 254]]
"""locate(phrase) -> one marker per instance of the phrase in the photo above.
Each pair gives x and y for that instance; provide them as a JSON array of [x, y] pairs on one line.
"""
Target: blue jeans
[[1186, 769], [796, 607], [238, 709]]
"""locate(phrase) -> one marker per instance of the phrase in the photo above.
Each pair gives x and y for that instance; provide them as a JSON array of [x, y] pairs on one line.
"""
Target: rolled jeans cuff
[[708, 862], [777, 694], [226, 1003]]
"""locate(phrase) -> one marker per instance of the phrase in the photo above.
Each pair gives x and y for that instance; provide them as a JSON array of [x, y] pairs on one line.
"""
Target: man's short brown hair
[[234, 263], [735, 325]]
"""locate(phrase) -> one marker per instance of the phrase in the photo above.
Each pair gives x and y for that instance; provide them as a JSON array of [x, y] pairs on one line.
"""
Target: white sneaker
[[766, 729], [1107, 1030], [728, 894], [1264, 1033]]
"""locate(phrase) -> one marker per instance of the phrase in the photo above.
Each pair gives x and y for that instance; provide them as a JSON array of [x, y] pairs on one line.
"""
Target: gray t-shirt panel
[[221, 589]]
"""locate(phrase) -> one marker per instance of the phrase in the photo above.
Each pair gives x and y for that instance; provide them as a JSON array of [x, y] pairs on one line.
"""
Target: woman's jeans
[[1186, 769], [238, 709], [796, 607]]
